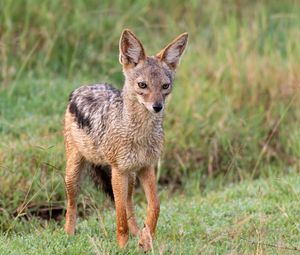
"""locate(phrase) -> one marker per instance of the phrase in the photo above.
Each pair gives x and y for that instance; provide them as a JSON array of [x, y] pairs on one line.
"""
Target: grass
[[232, 117], [258, 217]]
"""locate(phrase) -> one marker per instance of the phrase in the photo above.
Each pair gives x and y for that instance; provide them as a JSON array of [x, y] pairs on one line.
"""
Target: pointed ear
[[172, 53], [131, 49]]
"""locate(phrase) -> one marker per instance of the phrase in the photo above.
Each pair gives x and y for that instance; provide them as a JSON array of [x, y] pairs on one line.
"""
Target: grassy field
[[232, 124], [260, 217]]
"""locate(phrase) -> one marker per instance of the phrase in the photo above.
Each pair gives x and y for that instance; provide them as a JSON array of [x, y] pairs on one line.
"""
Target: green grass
[[258, 217], [234, 116]]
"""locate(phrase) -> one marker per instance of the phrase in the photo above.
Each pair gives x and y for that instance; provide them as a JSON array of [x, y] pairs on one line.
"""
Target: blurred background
[[234, 114]]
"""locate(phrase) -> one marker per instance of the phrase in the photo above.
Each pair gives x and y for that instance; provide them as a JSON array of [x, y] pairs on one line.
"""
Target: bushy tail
[[101, 175]]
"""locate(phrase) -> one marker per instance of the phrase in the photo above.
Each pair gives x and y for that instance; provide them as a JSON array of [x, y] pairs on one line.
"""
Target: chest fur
[[135, 152]]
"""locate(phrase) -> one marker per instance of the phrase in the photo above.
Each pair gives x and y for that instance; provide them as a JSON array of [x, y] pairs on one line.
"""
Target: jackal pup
[[118, 134]]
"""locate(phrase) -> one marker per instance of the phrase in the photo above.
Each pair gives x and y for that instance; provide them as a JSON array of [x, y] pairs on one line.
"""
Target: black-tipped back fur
[[82, 121], [101, 175]]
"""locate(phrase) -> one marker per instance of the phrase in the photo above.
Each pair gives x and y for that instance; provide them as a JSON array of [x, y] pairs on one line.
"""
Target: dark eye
[[166, 86], [142, 85]]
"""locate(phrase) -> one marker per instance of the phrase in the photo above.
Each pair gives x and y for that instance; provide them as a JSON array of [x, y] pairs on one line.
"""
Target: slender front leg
[[148, 181], [132, 223], [120, 189], [72, 179]]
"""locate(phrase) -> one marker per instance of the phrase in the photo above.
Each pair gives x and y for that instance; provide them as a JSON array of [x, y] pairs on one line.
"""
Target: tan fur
[[131, 134]]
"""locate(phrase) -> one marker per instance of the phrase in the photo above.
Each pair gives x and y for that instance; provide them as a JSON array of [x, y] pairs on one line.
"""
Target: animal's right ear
[[131, 49]]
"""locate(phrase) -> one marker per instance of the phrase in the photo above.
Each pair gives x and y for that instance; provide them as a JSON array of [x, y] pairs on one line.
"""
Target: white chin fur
[[150, 109], [148, 106]]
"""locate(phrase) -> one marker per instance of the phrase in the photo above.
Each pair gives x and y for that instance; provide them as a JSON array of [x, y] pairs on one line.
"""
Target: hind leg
[[132, 223], [72, 178]]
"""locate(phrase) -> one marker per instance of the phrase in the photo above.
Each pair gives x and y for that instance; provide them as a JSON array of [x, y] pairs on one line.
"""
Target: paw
[[145, 239], [122, 240], [70, 226], [134, 228], [69, 230]]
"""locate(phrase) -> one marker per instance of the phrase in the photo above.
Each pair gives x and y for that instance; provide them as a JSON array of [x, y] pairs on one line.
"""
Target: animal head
[[149, 79]]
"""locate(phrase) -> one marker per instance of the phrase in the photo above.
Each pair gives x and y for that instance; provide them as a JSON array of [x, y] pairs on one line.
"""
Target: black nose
[[157, 107]]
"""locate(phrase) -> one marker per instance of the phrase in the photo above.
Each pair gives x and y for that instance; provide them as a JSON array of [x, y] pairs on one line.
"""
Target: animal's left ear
[[172, 53]]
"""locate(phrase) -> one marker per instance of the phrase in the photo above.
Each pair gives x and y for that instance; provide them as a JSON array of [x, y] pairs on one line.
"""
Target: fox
[[117, 135]]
